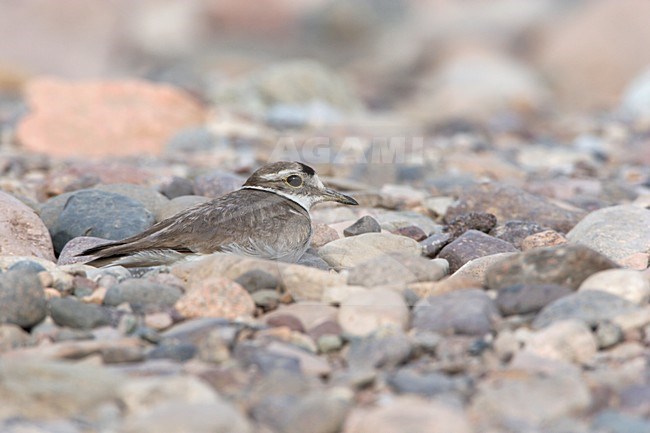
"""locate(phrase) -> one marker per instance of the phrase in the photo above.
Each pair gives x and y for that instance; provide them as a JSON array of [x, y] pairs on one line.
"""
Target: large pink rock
[[98, 118], [592, 53], [22, 233]]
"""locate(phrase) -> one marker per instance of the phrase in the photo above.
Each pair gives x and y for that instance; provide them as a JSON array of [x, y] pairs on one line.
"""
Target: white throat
[[304, 202]]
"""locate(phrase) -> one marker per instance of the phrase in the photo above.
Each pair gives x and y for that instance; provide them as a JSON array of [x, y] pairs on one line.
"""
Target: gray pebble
[[76, 314], [22, 299], [365, 224]]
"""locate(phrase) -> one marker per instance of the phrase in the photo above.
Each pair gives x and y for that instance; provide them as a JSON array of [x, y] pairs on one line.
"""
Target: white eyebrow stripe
[[279, 174]]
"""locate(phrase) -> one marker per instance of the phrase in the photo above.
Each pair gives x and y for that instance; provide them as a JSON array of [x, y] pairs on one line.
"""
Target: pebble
[[467, 312], [408, 414], [626, 283], [529, 400], [616, 232], [13, 337], [142, 295], [471, 245], [322, 234], [476, 269], [217, 183], [481, 221], [22, 299], [100, 214], [564, 265], [256, 280], [307, 283], [394, 220], [386, 348], [152, 200], [413, 232], [568, 340], [365, 224], [515, 232], [546, 238], [511, 203], [364, 313], [76, 314], [72, 119], [426, 384], [75, 390], [176, 187], [216, 297], [22, 233], [590, 306], [352, 251], [310, 313], [433, 244], [396, 269], [528, 298]]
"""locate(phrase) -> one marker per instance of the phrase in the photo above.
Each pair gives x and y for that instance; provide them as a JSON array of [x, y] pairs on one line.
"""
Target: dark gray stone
[[365, 224], [467, 312], [27, 266], [176, 351], [100, 214], [432, 245], [176, 187], [590, 306], [471, 245], [528, 298], [22, 299], [76, 314], [143, 295], [257, 279], [564, 265], [410, 381], [313, 261], [385, 348]]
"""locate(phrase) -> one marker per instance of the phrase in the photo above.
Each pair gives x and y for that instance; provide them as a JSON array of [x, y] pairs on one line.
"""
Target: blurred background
[[544, 71]]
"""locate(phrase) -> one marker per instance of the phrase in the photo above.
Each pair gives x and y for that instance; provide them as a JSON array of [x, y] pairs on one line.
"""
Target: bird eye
[[294, 181]]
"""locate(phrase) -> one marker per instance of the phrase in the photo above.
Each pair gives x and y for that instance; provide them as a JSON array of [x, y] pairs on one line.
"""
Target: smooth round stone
[[508, 202], [396, 269], [74, 314], [471, 245], [22, 299], [100, 214], [175, 187], [528, 298], [408, 414], [352, 251], [365, 312], [568, 340], [266, 299], [308, 283], [626, 283], [151, 199], [590, 306], [143, 295], [385, 348], [608, 334], [216, 297], [565, 265], [217, 183], [322, 234], [257, 279], [28, 266], [616, 232], [22, 232], [427, 384], [468, 312], [365, 224]]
